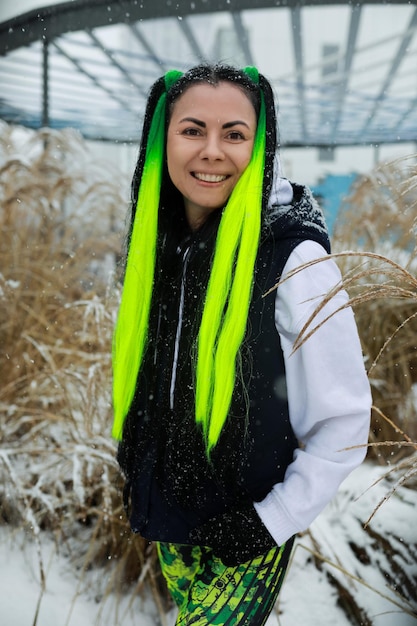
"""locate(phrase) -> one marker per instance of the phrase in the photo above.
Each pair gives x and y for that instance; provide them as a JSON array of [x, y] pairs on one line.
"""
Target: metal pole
[[45, 84], [376, 153]]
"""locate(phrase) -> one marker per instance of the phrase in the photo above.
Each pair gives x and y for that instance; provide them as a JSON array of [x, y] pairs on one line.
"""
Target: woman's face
[[209, 144]]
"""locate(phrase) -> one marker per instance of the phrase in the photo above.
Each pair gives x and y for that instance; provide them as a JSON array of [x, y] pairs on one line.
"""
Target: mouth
[[209, 178]]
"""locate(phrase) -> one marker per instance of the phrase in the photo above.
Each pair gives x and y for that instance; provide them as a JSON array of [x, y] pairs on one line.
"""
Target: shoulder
[[315, 270], [307, 251], [294, 212], [293, 216], [309, 277]]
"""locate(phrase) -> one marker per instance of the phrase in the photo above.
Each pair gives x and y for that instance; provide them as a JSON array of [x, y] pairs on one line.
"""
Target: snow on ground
[[307, 598], [69, 600]]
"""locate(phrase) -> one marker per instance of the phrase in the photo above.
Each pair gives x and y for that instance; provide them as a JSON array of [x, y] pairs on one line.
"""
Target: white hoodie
[[328, 395]]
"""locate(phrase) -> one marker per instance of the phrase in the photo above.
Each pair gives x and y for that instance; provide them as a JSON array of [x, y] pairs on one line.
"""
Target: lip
[[210, 178]]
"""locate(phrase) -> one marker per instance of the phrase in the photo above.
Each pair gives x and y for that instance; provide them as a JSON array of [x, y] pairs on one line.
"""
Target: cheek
[[248, 154], [245, 160], [172, 160]]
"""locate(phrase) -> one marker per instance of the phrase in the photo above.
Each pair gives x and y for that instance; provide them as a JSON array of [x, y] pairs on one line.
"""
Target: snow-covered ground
[[308, 598]]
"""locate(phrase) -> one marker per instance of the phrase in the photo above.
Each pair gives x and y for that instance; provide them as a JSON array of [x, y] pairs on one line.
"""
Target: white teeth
[[210, 178]]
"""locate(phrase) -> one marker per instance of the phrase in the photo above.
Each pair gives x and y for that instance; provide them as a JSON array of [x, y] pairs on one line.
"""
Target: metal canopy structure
[[345, 74]]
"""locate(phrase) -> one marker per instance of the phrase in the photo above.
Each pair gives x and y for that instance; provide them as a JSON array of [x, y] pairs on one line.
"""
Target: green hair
[[228, 295], [130, 335]]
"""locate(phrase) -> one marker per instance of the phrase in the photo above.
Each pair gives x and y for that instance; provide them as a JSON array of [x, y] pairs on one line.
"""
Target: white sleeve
[[328, 395]]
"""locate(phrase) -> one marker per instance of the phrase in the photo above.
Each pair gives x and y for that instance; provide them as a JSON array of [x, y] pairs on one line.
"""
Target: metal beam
[[296, 109], [401, 53], [136, 32], [242, 37], [45, 84], [299, 71], [65, 17], [355, 17], [114, 63], [411, 109], [93, 78], [192, 41]]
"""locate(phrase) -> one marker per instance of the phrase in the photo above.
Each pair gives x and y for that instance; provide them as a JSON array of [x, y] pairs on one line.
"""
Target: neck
[[197, 217]]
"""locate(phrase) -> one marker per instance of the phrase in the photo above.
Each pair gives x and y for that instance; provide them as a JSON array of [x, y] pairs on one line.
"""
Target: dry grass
[[380, 216], [61, 218], [384, 297]]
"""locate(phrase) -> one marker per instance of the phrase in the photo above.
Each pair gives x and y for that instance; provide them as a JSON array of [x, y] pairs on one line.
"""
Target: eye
[[235, 135], [191, 131]]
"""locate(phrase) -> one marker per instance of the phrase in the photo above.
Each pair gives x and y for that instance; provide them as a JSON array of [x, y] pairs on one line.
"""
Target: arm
[[328, 394]]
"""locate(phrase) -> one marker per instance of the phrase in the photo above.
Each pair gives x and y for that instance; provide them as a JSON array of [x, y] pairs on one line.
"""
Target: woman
[[231, 443]]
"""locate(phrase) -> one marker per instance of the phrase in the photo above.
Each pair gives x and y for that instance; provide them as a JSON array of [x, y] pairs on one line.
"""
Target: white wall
[[302, 165]]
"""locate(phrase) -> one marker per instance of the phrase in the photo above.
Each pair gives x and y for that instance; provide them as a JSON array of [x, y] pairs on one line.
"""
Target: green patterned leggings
[[209, 592]]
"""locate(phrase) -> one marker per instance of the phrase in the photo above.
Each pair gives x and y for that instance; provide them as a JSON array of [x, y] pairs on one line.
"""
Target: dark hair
[[213, 75]]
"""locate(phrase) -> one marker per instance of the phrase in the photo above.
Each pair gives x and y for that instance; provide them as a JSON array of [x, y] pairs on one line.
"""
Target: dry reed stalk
[[384, 296], [379, 222], [61, 218], [379, 217]]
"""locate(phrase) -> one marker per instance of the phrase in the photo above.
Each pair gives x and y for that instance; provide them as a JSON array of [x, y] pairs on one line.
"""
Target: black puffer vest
[[176, 495]]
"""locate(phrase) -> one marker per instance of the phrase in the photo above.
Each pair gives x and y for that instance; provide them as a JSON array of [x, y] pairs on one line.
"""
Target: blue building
[[330, 192]]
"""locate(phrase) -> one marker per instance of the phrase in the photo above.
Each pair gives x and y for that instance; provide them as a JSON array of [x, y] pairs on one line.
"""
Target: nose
[[212, 148]]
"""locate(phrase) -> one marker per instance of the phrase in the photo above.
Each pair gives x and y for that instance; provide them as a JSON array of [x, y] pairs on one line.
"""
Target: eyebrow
[[203, 124]]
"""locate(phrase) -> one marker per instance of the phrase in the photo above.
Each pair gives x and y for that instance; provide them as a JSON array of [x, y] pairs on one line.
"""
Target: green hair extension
[[130, 335], [229, 291]]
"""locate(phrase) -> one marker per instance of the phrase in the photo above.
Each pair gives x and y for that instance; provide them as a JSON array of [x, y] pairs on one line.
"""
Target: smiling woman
[[209, 145], [229, 441]]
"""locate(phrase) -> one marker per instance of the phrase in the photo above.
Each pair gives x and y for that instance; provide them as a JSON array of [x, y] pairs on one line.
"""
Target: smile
[[209, 178]]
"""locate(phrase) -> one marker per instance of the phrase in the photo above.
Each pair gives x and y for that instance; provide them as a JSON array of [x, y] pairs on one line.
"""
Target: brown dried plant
[[375, 243], [62, 218], [379, 219]]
